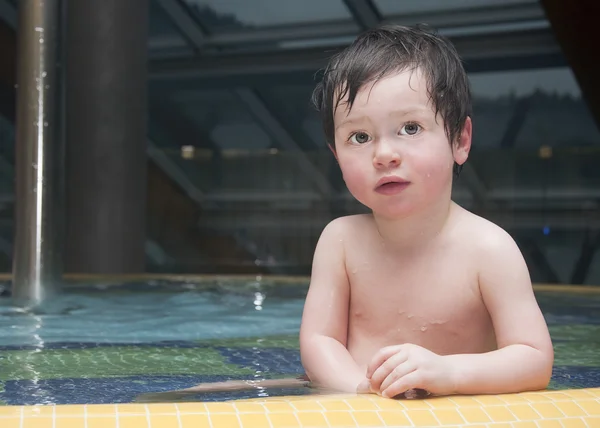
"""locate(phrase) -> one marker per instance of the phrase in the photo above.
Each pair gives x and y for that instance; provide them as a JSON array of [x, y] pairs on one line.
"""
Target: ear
[[462, 147], [332, 148]]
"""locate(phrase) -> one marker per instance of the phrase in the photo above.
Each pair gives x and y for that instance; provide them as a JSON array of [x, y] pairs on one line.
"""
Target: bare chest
[[433, 302]]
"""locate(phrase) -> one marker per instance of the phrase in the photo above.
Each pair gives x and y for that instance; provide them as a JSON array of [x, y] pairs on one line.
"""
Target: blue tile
[[265, 360]]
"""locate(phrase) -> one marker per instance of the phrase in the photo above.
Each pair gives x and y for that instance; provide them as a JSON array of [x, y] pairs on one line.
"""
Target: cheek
[[353, 172], [434, 167]]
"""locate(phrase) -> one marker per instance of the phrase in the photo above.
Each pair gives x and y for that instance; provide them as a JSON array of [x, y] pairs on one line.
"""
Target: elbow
[[544, 369]]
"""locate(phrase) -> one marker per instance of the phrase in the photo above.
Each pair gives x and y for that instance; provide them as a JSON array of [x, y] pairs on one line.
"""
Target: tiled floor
[[549, 409]]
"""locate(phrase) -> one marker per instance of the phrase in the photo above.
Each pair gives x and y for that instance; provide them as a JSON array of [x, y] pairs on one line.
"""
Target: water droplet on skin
[[410, 316], [354, 270], [423, 328], [428, 175]]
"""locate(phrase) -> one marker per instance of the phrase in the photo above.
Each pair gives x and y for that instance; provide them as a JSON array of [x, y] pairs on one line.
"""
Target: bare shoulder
[[482, 235], [348, 226]]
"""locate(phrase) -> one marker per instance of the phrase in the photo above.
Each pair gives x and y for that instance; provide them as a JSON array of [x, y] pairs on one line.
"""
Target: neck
[[416, 230]]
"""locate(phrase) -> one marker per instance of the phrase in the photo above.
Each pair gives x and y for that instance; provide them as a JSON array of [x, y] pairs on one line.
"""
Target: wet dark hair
[[385, 50]]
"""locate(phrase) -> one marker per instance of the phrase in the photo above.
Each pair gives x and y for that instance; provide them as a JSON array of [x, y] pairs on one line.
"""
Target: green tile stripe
[[114, 361]]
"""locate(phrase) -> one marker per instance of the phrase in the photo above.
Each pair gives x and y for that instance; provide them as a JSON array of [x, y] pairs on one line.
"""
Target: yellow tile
[[415, 404], [249, 407], [513, 398], [499, 425], [100, 410], [394, 418], [99, 422], [575, 423], [10, 411], [164, 421], [578, 393], [465, 401], [311, 419], [549, 424], [224, 420], [254, 420], [534, 397], [524, 424], [592, 421], [335, 405], [283, 420], [191, 408], [68, 410], [422, 418], [37, 411], [499, 414], [369, 419], [308, 406], [555, 396], [442, 403], [448, 416], [570, 408], [220, 408], [130, 409], [591, 407], [360, 404], [340, 419], [389, 404], [133, 422], [547, 410], [523, 412], [37, 422], [11, 422], [474, 415], [165, 409], [489, 400], [279, 407], [194, 421]]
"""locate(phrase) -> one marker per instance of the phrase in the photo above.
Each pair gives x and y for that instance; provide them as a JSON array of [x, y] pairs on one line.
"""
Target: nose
[[386, 155]]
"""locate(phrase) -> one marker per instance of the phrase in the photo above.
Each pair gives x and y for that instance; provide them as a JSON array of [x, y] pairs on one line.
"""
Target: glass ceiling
[[235, 15]]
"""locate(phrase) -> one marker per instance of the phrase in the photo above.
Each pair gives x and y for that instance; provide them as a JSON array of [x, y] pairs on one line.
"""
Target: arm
[[324, 327], [525, 355]]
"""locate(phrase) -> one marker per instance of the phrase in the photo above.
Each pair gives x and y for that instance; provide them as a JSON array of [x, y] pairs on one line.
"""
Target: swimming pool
[[109, 342], [116, 342]]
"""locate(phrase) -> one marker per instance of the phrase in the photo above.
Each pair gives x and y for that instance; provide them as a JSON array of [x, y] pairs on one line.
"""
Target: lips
[[391, 185]]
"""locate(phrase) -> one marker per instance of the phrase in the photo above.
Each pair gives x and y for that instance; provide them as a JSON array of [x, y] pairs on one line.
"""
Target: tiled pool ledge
[[576, 408]]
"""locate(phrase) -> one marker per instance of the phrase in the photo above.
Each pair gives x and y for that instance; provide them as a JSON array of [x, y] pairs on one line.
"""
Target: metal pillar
[[37, 267], [106, 136]]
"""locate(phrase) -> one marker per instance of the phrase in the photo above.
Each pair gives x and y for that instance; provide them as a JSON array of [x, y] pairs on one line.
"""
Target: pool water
[[116, 343]]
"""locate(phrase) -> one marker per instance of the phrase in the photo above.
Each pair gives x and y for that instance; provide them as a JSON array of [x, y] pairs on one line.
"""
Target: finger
[[410, 381], [397, 373], [364, 387], [387, 367], [380, 357]]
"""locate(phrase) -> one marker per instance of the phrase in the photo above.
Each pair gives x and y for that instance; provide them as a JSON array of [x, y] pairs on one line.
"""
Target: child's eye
[[359, 138], [410, 129]]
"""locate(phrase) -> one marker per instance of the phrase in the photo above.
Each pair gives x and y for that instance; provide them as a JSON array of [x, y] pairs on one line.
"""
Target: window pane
[[231, 15], [396, 7]]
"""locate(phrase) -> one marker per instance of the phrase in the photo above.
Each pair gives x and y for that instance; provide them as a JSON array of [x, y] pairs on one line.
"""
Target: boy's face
[[392, 132]]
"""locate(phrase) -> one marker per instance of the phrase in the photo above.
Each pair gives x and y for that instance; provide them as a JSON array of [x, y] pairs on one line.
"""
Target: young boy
[[421, 294]]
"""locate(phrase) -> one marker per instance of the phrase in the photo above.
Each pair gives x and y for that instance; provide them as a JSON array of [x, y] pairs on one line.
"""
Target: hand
[[397, 369]]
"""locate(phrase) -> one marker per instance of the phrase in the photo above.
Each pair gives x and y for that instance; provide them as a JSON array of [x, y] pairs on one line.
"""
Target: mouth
[[391, 185]]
